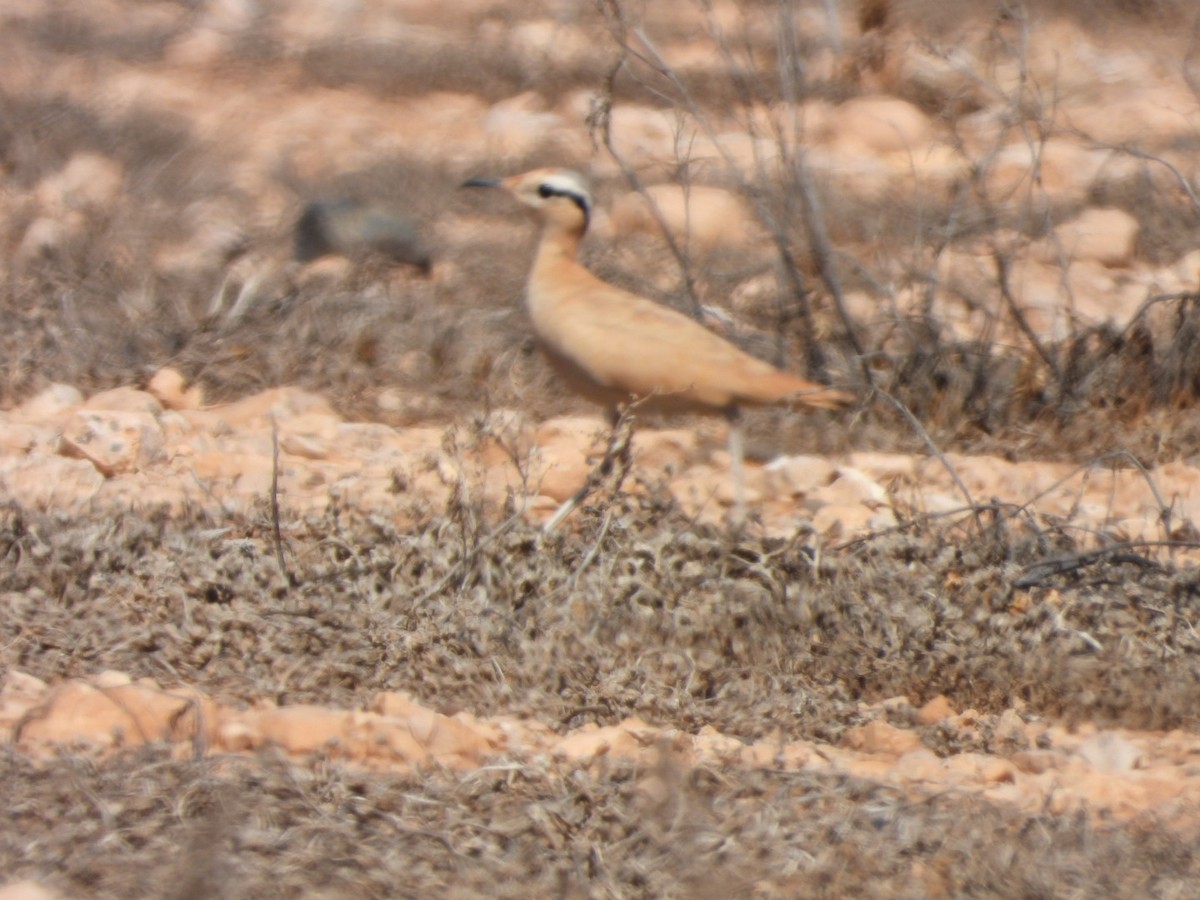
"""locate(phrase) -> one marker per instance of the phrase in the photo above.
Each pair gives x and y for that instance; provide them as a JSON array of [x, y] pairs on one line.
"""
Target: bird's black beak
[[480, 182]]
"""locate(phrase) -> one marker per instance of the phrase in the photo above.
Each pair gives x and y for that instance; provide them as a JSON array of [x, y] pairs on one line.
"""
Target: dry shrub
[[642, 613], [260, 828]]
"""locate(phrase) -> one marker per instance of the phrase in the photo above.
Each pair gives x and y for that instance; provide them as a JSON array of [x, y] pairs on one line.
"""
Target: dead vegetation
[[668, 621], [641, 612], [263, 828]]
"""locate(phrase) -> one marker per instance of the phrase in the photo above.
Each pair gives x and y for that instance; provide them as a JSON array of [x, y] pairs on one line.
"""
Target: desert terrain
[[278, 615]]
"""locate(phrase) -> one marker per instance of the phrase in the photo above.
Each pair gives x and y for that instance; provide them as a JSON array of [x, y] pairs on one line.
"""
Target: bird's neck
[[559, 245], [556, 272]]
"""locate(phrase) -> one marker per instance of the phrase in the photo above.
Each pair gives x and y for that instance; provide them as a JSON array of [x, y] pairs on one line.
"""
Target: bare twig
[[613, 467], [932, 447], [276, 531], [600, 123], [1036, 573], [1002, 279]]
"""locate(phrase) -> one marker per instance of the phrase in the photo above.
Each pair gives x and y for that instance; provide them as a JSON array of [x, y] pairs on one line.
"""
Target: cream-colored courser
[[613, 346]]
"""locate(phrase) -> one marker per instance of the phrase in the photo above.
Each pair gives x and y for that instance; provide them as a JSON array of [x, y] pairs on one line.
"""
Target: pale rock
[[1161, 111], [725, 487], [975, 768], [850, 487], [258, 410], [124, 399], [325, 271], [698, 216], [27, 889], [564, 446], [935, 710], [219, 25], [45, 236], [229, 463], [880, 737], [440, 123], [920, 765], [87, 182], [1110, 752], [1010, 729], [758, 295], [20, 693], [519, 126], [948, 74], [121, 716], [897, 704], [407, 405], [643, 135], [20, 685], [882, 124], [300, 729], [169, 388], [854, 169], [23, 438], [1036, 762], [110, 678], [237, 736], [309, 435], [660, 450], [440, 735], [592, 741], [373, 738], [563, 473], [1107, 236], [199, 46], [1065, 170], [50, 403], [50, 482], [372, 440], [1187, 269], [114, 442], [797, 476]]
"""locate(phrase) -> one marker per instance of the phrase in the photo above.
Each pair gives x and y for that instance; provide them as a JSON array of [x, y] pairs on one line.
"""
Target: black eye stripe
[[546, 190]]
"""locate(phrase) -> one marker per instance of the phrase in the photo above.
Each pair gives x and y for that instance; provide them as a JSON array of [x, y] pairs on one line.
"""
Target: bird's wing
[[635, 345]]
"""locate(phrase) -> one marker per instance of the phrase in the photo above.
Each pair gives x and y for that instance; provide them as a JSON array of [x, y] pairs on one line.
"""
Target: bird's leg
[[619, 450], [737, 456]]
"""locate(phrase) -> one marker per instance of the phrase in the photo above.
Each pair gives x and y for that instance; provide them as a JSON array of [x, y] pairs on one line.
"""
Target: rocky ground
[[277, 613]]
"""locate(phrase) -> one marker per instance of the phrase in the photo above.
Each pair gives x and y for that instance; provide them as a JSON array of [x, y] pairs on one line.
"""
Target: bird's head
[[559, 196]]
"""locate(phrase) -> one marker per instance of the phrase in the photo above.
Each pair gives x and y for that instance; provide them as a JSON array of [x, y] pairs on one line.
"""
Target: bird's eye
[[545, 191]]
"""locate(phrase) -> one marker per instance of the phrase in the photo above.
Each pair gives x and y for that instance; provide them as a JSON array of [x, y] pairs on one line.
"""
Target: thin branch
[[932, 447], [1036, 573], [276, 531]]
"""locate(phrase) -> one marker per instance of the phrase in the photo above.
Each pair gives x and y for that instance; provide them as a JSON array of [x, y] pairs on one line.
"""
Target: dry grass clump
[[643, 613], [145, 824]]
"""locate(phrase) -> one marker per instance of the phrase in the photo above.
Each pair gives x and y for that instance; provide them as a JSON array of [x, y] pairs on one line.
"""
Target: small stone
[[26, 890], [114, 442], [1107, 236], [936, 710], [169, 388], [49, 403], [124, 399], [1110, 752], [701, 216], [881, 738]]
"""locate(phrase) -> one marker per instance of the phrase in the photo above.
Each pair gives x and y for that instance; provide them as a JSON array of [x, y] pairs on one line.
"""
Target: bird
[[612, 345], [359, 230]]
